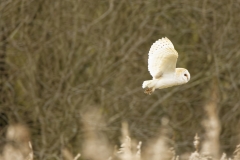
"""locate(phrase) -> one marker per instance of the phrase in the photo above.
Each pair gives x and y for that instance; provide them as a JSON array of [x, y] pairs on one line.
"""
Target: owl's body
[[162, 66]]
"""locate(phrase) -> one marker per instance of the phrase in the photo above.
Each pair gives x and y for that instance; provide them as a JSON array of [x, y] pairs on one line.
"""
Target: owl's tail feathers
[[148, 86]]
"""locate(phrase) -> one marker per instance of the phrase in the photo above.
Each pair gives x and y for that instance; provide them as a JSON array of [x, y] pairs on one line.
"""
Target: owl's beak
[[188, 76]]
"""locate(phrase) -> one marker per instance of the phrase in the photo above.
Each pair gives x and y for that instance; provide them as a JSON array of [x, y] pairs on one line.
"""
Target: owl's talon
[[148, 91]]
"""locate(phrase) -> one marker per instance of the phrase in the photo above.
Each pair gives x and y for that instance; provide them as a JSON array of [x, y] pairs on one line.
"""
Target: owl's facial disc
[[186, 75], [182, 75]]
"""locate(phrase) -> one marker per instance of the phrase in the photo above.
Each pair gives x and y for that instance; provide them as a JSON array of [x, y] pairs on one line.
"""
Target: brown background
[[59, 59]]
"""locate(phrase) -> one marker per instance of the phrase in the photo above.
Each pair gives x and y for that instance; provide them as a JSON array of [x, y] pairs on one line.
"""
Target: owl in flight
[[162, 59]]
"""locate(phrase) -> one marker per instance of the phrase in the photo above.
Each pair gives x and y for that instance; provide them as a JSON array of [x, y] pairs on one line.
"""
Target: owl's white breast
[[166, 81]]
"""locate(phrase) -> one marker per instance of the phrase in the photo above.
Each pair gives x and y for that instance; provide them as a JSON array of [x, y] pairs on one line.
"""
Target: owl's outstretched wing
[[162, 58]]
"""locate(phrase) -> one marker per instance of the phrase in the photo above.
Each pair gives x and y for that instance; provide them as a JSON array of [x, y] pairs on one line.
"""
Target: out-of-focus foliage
[[61, 58]]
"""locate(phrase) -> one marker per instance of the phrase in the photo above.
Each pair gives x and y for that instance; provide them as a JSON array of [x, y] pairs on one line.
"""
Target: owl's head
[[182, 75]]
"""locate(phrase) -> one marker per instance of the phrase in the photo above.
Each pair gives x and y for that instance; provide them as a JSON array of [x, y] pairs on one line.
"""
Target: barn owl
[[162, 59]]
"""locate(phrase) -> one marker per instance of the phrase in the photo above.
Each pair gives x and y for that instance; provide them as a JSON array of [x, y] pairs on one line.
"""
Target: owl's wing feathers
[[162, 58]]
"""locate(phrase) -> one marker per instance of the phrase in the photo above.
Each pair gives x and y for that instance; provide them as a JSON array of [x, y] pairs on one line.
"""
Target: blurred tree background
[[60, 59]]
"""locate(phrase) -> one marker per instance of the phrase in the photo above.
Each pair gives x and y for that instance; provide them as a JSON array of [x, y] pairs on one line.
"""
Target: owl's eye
[[185, 75]]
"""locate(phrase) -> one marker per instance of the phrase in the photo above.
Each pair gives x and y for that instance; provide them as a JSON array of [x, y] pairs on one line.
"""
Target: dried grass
[[96, 147], [18, 146]]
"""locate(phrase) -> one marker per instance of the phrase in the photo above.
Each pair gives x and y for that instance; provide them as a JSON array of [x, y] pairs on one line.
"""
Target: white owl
[[162, 59]]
